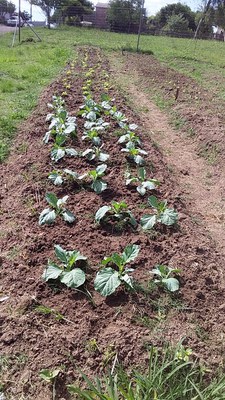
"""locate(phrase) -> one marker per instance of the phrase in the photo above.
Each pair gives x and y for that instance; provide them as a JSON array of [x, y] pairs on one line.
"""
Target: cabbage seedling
[[48, 215], [59, 151], [66, 272], [98, 125], [133, 154], [98, 185], [143, 183], [92, 136], [117, 212], [163, 214], [130, 138], [57, 177], [95, 153], [108, 279], [164, 278]]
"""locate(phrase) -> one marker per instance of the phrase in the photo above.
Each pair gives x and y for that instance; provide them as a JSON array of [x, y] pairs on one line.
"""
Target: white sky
[[153, 6]]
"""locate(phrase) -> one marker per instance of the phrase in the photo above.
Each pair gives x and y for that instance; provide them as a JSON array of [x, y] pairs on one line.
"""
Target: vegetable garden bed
[[48, 324]]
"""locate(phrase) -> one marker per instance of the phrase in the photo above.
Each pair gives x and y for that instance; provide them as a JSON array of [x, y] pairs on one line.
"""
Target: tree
[[6, 7], [73, 10], [124, 15], [177, 23], [179, 9]]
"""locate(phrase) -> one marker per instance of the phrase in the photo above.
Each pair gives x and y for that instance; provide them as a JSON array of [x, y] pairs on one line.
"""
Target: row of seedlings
[[61, 126]]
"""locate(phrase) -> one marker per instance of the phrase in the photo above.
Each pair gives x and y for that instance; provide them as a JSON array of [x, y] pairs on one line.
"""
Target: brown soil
[[125, 324]]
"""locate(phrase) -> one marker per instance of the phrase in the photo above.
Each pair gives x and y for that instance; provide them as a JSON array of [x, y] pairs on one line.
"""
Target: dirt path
[[202, 184]]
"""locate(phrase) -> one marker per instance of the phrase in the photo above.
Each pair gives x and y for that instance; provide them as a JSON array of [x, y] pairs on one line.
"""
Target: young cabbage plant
[[90, 106], [98, 185], [58, 177], [117, 212], [133, 154], [130, 138], [68, 271], [95, 153], [163, 214], [108, 279], [59, 151], [143, 183], [60, 124], [98, 125], [92, 136], [164, 279], [120, 118], [48, 215]]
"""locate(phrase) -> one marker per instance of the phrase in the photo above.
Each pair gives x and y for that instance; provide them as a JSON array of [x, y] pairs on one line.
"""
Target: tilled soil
[[91, 334]]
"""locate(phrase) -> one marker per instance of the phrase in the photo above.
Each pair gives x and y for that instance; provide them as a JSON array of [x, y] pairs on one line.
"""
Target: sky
[[152, 6]]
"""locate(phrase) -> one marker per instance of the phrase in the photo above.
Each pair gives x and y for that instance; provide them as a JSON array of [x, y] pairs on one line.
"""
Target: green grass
[[28, 67], [170, 376]]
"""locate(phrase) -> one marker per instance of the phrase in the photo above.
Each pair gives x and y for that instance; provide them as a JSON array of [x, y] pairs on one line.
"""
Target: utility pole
[[140, 24], [31, 10], [19, 18]]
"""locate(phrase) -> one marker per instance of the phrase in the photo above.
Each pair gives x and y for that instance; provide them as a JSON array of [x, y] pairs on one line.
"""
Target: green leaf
[[103, 157], [49, 375], [130, 253], [99, 186], [74, 278], [101, 213], [117, 259], [172, 284], [141, 190], [52, 271], [71, 152], [57, 154], [75, 256], [101, 169], [61, 202], [168, 217], [148, 221], [60, 253], [47, 216], [142, 173], [150, 185], [153, 201], [71, 173], [139, 160], [52, 199], [68, 216], [107, 281], [55, 178], [128, 280], [133, 221]]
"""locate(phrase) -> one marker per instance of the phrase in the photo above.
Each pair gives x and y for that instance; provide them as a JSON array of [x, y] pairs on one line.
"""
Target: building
[[101, 15]]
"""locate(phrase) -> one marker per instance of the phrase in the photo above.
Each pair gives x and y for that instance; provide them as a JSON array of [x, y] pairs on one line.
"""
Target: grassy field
[[28, 67]]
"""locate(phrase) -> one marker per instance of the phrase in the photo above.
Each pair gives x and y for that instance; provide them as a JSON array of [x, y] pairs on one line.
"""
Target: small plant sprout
[[92, 136], [58, 177], [163, 214], [164, 278], [143, 183], [50, 377], [117, 212], [59, 151], [95, 153], [98, 185], [183, 354], [67, 271], [133, 154], [108, 279], [120, 118], [48, 215]]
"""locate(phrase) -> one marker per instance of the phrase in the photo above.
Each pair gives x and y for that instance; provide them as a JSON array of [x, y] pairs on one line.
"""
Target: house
[[101, 15], [219, 34]]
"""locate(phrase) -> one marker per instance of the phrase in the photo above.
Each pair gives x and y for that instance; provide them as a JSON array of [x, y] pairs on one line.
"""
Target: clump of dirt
[[47, 326]]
